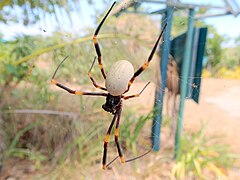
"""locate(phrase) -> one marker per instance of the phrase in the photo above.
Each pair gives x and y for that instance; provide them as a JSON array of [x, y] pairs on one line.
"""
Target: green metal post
[[184, 80], [157, 121]]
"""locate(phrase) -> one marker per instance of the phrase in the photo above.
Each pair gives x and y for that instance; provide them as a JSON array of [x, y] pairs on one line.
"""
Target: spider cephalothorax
[[112, 103], [117, 82]]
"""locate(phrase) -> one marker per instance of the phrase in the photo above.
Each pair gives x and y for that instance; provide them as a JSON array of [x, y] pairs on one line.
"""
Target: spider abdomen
[[118, 77]]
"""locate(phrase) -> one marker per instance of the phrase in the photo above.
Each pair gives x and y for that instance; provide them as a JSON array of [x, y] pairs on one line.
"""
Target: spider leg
[[92, 79], [136, 95], [71, 91], [96, 45], [117, 133], [106, 141], [146, 64], [129, 160]]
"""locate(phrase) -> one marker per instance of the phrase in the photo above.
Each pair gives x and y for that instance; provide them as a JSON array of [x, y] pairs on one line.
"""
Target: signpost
[[192, 51]]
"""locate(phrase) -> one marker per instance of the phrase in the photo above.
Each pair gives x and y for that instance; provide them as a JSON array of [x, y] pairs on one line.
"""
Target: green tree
[[231, 57], [31, 11], [214, 50]]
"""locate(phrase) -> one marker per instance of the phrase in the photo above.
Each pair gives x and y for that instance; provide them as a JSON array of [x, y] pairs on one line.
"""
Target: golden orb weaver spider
[[117, 82]]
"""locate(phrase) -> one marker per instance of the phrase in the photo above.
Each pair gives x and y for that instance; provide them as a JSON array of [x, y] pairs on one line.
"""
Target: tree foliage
[[231, 57], [31, 11], [214, 50]]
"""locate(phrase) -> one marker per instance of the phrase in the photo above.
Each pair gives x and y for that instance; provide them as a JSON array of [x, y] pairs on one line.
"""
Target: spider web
[[164, 142], [158, 87]]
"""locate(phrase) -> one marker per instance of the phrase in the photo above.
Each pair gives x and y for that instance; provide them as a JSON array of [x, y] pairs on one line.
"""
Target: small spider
[[117, 82]]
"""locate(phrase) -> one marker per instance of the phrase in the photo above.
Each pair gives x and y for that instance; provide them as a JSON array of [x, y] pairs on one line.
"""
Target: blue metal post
[[157, 121], [184, 79]]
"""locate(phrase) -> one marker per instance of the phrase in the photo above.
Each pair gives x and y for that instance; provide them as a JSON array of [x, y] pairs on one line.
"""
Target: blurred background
[[47, 133]]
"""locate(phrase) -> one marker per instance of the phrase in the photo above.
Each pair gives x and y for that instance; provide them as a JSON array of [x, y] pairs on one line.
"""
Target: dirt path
[[219, 107]]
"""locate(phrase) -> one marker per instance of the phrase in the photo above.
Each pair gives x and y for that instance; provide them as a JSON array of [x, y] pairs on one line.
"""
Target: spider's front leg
[[146, 64], [95, 41]]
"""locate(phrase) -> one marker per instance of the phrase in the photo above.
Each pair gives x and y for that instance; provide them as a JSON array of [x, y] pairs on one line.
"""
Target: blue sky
[[225, 25]]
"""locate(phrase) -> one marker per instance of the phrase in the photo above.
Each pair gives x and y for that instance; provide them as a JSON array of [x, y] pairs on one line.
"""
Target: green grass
[[199, 154], [14, 150]]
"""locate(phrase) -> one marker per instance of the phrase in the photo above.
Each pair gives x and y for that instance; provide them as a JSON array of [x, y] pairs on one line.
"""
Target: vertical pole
[[184, 79], [157, 121]]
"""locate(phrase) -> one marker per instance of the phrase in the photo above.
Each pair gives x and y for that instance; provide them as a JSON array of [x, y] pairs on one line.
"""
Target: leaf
[[58, 46], [10, 69], [215, 169], [197, 167]]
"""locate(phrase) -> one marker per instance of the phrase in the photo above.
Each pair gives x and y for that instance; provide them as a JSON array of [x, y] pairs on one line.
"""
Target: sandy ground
[[219, 107]]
